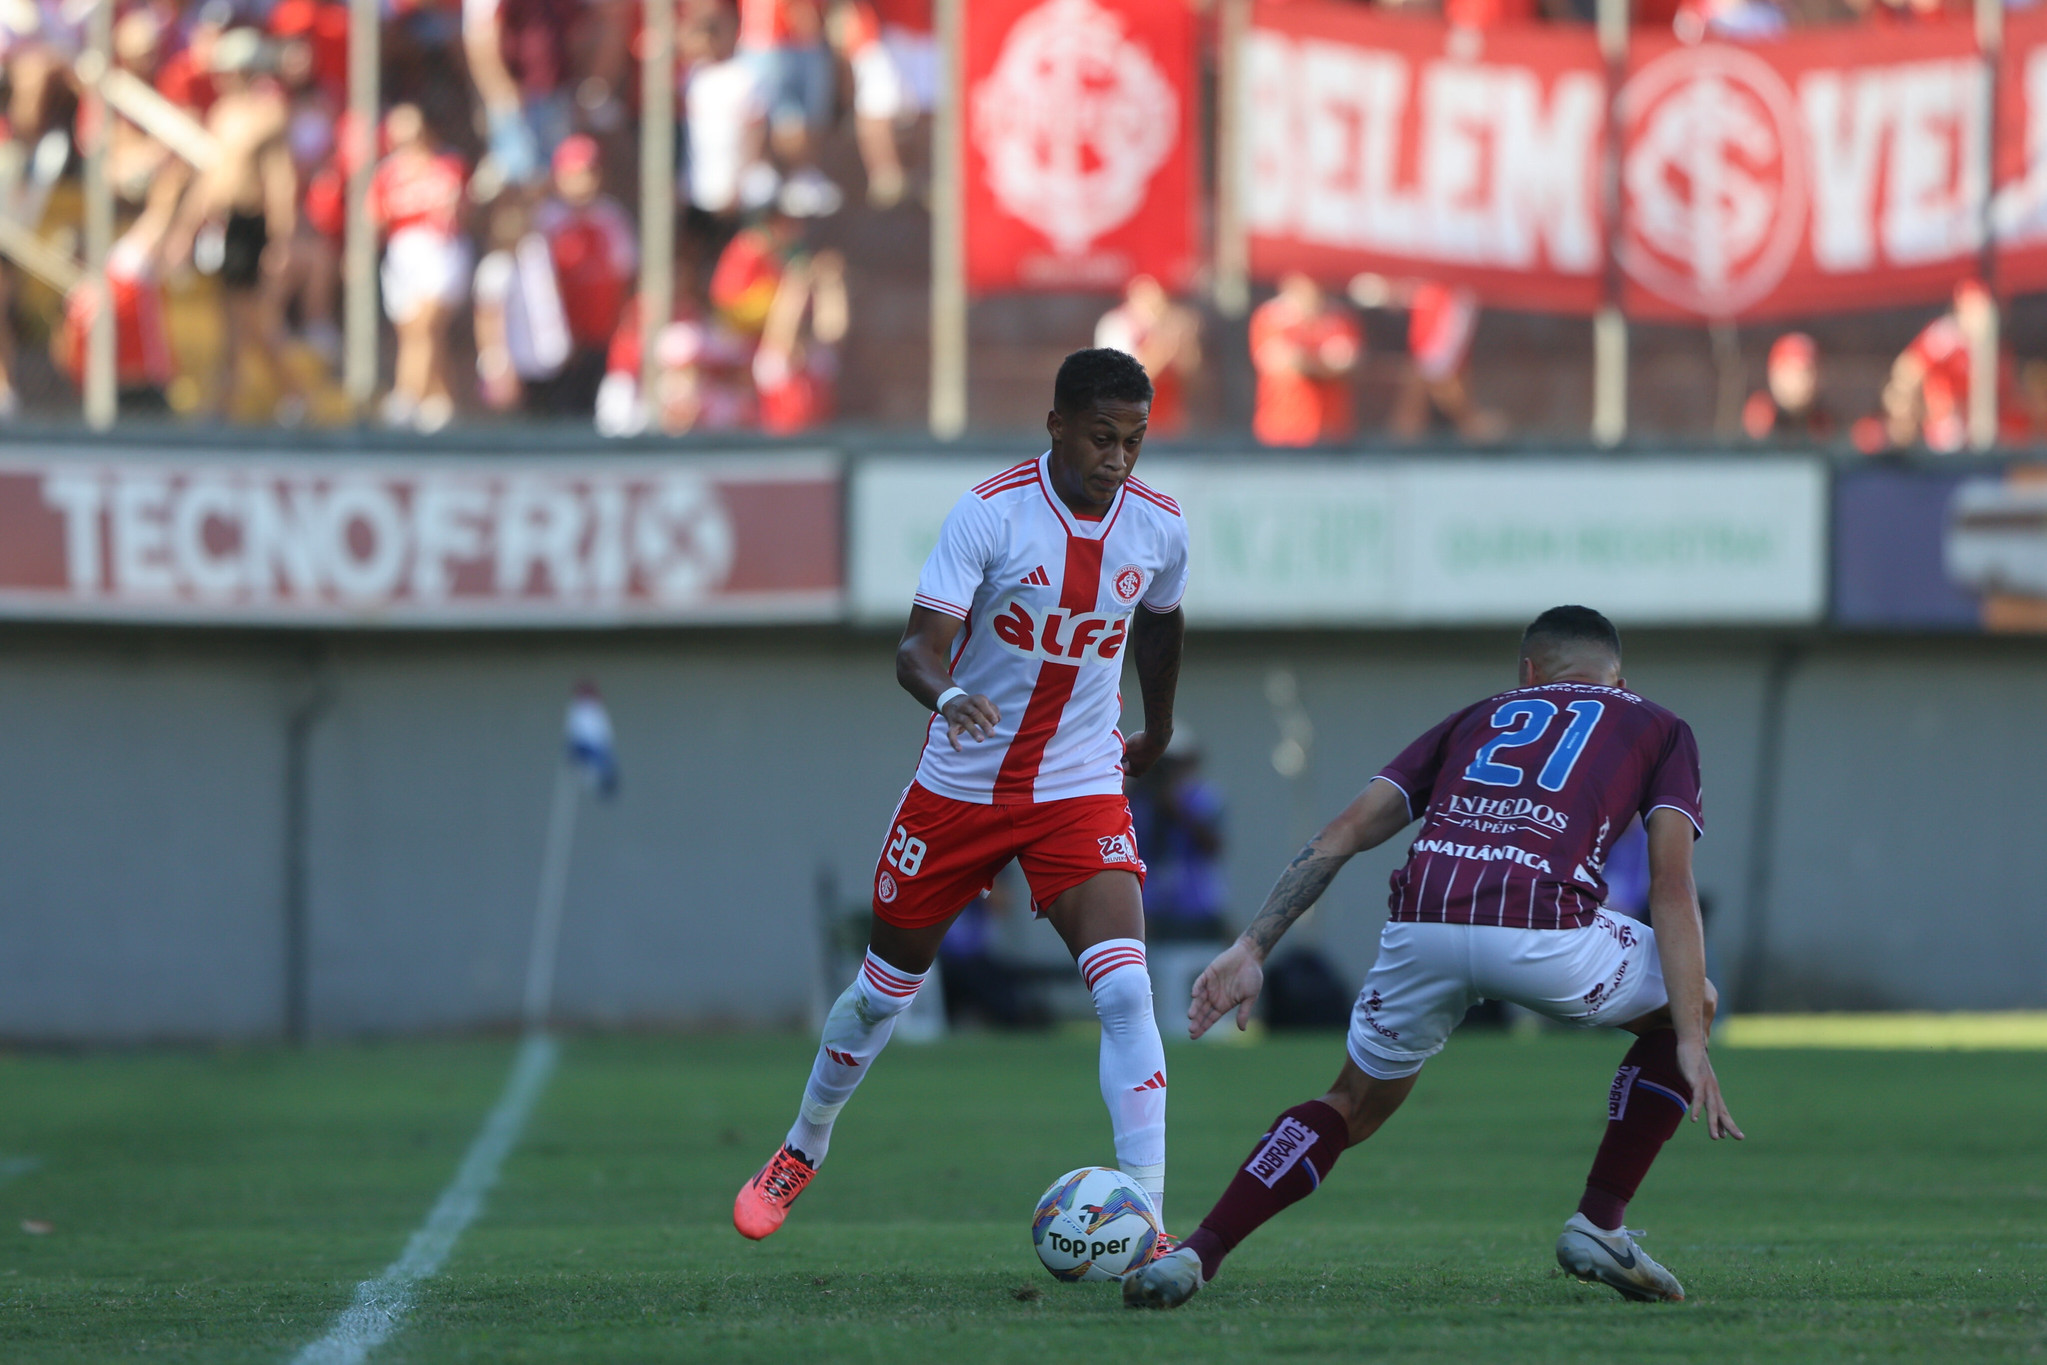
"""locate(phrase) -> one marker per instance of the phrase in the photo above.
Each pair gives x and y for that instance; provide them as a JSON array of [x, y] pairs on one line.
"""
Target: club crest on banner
[[1713, 179], [1079, 125]]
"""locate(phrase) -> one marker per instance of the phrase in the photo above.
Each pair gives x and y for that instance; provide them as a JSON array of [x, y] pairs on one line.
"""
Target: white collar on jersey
[[1076, 526]]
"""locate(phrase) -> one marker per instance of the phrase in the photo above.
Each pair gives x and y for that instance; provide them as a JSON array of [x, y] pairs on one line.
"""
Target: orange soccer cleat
[[764, 1201]]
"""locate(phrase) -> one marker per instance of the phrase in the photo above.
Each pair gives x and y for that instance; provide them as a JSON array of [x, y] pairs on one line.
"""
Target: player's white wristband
[[947, 695]]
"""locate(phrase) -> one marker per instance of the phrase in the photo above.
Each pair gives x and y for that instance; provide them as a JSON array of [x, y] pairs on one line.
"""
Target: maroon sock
[[1647, 1102], [1284, 1168]]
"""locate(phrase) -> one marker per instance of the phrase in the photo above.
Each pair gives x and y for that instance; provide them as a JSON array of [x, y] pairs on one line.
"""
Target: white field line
[[380, 1304]]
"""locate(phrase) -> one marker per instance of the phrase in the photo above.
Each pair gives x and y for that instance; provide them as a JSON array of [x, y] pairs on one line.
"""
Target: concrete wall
[[146, 883]]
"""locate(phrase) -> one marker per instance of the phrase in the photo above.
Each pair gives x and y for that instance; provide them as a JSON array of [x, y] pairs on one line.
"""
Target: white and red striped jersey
[[1047, 597]]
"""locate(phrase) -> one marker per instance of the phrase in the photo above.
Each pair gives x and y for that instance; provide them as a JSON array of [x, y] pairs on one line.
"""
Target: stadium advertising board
[[1299, 541], [1080, 143], [1939, 549], [1839, 168], [360, 541]]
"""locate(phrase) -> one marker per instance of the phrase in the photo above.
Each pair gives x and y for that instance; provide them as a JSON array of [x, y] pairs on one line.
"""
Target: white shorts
[[1428, 975], [879, 90], [423, 266]]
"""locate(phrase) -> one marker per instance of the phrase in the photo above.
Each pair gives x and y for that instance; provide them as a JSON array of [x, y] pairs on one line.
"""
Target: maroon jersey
[[1522, 795]]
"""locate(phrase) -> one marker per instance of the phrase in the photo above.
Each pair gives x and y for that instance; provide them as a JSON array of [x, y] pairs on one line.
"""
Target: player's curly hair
[[1561, 626], [1096, 375]]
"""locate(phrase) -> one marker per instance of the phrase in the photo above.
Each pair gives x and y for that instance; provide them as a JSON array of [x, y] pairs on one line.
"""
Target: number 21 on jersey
[[906, 852], [1525, 722]]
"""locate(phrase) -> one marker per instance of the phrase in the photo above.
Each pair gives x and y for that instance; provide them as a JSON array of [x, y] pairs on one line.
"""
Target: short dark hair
[[1562, 626], [1097, 375]]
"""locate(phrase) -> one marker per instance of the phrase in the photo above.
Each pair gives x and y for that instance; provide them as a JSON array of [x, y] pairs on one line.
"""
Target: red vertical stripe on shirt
[[1080, 589]]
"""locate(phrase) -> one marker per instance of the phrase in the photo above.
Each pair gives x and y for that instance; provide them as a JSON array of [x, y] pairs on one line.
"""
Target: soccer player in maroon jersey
[[1043, 575], [1521, 796]]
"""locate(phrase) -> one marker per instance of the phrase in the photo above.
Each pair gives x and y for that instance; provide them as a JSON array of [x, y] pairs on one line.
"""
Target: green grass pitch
[[220, 1206]]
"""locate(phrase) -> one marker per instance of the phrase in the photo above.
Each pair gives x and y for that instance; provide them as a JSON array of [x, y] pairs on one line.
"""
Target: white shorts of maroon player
[[1428, 975]]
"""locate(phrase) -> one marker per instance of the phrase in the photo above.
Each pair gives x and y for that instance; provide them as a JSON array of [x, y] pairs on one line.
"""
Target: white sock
[[855, 1032], [1133, 1060]]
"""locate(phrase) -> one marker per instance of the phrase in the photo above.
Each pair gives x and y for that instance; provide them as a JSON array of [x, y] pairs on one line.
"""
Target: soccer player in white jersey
[[1045, 578]]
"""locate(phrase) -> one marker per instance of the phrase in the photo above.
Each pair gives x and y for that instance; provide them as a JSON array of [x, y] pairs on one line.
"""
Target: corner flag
[[589, 740]]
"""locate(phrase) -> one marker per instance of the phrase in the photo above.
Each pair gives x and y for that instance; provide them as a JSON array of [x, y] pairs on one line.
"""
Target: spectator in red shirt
[[1305, 350], [142, 354], [416, 197], [1442, 319], [796, 366], [312, 274], [596, 261], [1927, 398], [185, 77], [1788, 408], [749, 271], [1166, 339]]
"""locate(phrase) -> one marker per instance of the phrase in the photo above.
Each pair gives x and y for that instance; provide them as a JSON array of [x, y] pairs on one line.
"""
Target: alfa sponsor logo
[[1281, 1150], [1117, 848], [1483, 853], [1507, 812], [1062, 637]]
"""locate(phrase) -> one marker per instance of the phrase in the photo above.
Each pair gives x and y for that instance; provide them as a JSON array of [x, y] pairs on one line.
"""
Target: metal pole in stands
[[948, 230], [1232, 249], [359, 243], [1983, 336], [102, 397], [1609, 328], [657, 193]]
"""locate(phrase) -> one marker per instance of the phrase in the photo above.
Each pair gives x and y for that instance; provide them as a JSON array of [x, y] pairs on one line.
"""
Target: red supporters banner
[[1398, 145], [367, 542], [1822, 172], [1080, 137], [1827, 170], [2019, 212]]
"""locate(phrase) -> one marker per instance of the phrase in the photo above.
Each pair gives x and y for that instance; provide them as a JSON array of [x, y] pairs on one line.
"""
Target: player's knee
[[1123, 995], [880, 992]]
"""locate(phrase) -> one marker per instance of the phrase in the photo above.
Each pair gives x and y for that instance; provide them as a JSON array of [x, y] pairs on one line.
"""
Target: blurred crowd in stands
[[504, 163], [503, 124]]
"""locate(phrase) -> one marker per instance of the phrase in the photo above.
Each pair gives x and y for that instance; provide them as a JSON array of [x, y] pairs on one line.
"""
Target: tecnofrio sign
[[355, 540]]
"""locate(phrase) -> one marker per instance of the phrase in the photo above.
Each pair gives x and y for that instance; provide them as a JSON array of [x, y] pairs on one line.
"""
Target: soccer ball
[[1094, 1224]]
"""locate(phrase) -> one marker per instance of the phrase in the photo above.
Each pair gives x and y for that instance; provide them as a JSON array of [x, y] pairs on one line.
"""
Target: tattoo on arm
[[1293, 895]]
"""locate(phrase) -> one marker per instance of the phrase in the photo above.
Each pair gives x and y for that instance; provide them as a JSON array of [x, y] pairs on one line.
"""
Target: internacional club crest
[[1074, 120], [1713, 180]]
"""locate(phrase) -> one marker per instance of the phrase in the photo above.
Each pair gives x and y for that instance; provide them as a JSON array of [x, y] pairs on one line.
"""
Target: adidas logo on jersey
[[1037, 578]]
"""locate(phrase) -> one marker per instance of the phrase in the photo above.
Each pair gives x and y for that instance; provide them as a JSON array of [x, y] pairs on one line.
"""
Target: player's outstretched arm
[[1155, 641], [1681, 946], [924, 668], [1233, 980]]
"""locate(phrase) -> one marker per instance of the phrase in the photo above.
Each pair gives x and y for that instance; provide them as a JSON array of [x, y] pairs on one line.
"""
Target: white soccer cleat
[[1168, 1282], [1593, 1254]]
